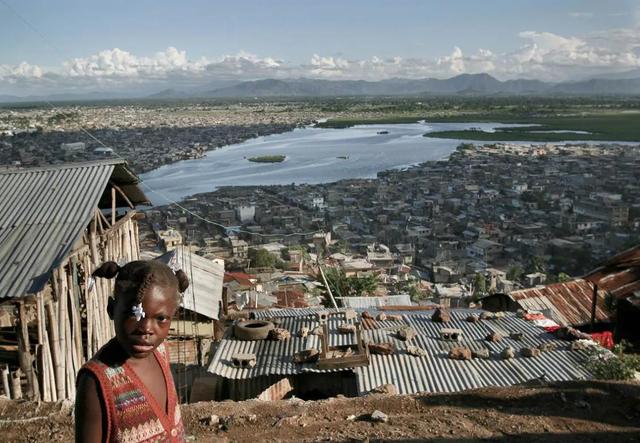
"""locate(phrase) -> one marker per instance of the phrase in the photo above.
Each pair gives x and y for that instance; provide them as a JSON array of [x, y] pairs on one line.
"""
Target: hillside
[[568, 412]]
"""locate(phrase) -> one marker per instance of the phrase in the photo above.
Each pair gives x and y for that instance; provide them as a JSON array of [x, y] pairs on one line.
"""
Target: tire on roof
[[252, 329]]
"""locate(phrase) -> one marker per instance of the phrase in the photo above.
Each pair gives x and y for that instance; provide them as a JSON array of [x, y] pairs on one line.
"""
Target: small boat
[[383, 132], [343, 157]]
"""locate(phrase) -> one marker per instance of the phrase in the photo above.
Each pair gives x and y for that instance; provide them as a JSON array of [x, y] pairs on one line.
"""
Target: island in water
[[268, 159]]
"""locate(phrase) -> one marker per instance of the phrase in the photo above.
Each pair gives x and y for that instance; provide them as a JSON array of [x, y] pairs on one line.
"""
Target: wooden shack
[[57, 224]]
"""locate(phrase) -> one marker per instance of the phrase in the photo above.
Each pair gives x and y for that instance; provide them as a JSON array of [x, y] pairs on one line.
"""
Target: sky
[[141, 45]]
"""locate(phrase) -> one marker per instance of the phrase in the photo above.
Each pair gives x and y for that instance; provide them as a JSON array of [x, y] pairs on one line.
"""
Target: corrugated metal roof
[[371, 302], [204, 293], [289, 312], [434, 372], [43, 211], [620, 275], [570, 301]]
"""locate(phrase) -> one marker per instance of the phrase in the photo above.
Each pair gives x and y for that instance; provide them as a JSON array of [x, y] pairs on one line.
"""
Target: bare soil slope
[[568, 412]]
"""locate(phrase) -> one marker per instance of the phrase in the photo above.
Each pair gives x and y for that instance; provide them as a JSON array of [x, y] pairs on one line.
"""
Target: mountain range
[[464, 84]]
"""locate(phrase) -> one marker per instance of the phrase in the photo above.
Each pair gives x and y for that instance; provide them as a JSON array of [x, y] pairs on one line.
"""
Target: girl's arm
[[90, 413]]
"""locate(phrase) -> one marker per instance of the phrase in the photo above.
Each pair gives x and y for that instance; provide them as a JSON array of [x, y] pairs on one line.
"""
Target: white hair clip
[[138, 311]]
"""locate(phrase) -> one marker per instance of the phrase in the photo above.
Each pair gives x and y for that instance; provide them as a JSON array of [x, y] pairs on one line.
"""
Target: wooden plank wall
[[71, 321]]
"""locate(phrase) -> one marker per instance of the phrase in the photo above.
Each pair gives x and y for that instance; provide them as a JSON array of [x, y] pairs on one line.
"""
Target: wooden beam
[[122, 194]]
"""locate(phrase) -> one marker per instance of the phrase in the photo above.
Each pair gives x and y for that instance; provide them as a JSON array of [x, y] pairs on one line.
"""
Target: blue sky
[[196, 40]]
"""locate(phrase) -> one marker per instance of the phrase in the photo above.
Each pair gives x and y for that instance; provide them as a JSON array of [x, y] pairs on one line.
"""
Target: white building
[[73, 147], [246, 214]]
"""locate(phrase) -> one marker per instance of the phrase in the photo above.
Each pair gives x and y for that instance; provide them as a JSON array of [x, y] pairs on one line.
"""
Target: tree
[[479, 285], [260, 258], [514, 273]]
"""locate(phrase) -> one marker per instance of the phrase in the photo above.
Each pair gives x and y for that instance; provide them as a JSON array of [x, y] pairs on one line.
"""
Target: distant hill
[[464, 85]]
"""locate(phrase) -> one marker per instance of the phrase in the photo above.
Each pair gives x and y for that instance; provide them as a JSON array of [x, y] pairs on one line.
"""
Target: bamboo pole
[[4, 374], [113, 206], [43, 370], [62, 319], [55, 349], [70, 319], [88, 306]]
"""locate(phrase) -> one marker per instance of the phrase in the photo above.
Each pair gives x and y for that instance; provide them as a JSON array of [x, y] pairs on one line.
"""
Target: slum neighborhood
[[422, 280]]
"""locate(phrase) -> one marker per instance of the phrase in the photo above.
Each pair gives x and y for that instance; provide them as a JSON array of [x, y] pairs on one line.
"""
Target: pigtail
[[183, 280], [108, 269]]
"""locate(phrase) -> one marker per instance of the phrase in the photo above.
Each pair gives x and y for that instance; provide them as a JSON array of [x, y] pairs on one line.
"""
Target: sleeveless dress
[[133, 414]]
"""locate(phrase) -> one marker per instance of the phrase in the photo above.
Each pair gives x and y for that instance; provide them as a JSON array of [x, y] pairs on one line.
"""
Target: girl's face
[[139, 338]]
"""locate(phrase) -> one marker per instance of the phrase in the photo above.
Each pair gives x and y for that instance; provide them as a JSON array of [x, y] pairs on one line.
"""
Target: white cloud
[[22, 71], [541, 55]]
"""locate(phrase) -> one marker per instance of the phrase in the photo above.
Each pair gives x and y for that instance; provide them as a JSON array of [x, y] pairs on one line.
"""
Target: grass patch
[[601, 127], [268, 159]]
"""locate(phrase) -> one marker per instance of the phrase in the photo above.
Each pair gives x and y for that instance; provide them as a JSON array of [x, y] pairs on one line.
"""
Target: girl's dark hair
[[137, 277]]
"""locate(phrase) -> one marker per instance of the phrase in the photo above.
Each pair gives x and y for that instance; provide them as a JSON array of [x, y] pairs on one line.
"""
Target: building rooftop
[[434, 372]]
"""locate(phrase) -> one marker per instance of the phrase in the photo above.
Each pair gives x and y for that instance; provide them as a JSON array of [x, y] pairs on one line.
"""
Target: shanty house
[[57, 224], [275, 375]]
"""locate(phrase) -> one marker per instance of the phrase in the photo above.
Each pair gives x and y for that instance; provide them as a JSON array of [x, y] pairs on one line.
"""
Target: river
[[313, 155]]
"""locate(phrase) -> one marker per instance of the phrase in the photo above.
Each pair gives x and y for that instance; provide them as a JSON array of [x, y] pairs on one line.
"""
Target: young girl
[[126, 391]]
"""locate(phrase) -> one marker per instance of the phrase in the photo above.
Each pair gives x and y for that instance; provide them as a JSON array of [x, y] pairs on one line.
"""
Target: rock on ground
[[460, 353], [441, 315], [382, 348]]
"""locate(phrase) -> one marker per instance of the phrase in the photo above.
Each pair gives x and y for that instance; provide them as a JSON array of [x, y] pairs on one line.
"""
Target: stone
[[350, 314], [516, 336], [211, 420], [306, 356], [382, 316], [347, 328], [498, 315], [407, 333], [547, 347], [318, 330], [507, 353], [473, 318], [394, 317], [379, 417], [304, 331], [480, 353], [530, 352], [460, 353], [571, 334], [486, 315], [580, 345], [416, 351], [441, 315], [520, 313], [494, 337], [388, 389], [382, 348], [279, 334], [367, 316]]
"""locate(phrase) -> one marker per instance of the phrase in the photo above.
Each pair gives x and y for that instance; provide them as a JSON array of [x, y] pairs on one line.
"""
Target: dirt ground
[[568, 412]]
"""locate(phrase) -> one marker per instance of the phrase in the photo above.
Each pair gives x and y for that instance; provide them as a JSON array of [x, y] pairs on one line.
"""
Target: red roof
[[291, 298], [240, 277], [570, 302]]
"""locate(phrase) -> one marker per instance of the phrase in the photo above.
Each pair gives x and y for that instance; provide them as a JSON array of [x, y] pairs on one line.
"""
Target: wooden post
[[4, 373], [24, 354], [16, 387], [225, 302]]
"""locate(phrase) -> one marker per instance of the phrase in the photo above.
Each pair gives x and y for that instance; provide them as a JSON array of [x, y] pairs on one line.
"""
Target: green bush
[[616, 365]]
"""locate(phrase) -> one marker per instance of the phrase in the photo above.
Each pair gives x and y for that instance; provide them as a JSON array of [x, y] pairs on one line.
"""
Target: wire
[[154, 191]]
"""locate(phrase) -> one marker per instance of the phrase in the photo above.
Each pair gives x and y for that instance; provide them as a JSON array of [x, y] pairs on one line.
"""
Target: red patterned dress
[[133, 414]]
